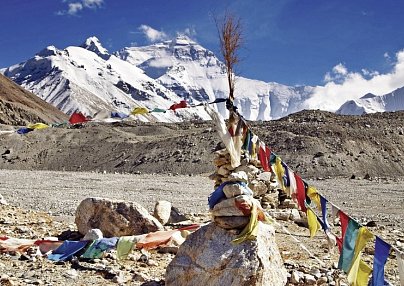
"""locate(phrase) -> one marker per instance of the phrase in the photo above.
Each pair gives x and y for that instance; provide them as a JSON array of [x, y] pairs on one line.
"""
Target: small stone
[[231, 222], [296, 276], [322, 280], [71, 273], [237, 177], [119, 278], [162, 211], [309, 279], [93, 234], [295, 215], [152, 262]]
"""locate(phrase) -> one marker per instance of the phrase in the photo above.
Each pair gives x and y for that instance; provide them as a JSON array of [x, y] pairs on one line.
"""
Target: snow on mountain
[[371, 103], [88, 79], [197, 75]]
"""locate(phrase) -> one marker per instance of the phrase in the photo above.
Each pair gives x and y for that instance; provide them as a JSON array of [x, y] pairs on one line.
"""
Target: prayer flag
[[313, 195], [323, 202], [301, 192], [159, 110], [382, 250], [314, 225], [67, 250], [263, 157], [364, 236], [280, 172], [38, 126], [292, 188], [349, 241], [251, 230], [140, 110], [181, 104], [125, 246], [98, 247], [344, 219]]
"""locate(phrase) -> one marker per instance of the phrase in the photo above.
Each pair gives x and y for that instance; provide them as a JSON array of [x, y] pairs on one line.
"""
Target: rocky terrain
[[20, 107], [313, 143], [356, 161]]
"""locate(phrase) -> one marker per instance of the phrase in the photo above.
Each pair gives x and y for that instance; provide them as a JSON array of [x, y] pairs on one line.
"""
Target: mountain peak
[[368, 95], [93, 44]]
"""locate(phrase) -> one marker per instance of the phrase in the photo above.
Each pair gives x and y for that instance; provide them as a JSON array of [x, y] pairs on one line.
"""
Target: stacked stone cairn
[[211, 255]]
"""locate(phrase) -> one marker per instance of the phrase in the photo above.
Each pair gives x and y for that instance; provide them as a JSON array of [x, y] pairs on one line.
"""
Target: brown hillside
[[20, 107]]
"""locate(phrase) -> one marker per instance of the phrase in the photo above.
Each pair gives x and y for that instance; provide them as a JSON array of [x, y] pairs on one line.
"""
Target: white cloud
[[340, 69], [151, 34], [342, 85], [73, 8]]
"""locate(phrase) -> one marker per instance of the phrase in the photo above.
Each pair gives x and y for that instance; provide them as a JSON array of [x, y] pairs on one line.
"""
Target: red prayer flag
[[301, 192], [181, 104]]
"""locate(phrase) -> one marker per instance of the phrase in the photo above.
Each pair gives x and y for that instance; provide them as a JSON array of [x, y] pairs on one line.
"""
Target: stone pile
[[210, 255], [263, 184]]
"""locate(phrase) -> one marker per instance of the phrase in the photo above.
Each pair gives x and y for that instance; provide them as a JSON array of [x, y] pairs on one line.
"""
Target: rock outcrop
[[114, 217], [208, 257]]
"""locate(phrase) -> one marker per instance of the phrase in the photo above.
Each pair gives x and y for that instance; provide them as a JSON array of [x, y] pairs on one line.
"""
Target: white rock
[[309, 279], [3, 201], [114, 217], [294, 214], [296, 277], [259, 188], [234, 190], [93, 234], [237, 177], [162, 211], [208, 257]]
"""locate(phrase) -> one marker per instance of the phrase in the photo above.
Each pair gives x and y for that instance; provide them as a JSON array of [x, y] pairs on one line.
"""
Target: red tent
[[77, 117]]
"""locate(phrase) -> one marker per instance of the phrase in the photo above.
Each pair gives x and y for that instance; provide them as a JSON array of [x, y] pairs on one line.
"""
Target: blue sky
[[294, 42]]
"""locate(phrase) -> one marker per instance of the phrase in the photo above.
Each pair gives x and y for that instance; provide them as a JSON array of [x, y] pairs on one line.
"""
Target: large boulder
[[208, 257], [114, 217]]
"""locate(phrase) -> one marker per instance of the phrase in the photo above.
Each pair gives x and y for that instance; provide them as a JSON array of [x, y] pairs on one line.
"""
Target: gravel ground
[[60, 192]]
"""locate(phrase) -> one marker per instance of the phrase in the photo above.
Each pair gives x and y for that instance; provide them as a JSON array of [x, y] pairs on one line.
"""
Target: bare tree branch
[[231, 39]]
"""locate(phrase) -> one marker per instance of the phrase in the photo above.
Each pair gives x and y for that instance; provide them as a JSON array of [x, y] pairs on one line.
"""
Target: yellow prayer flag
[[251, 230], [280, 172], [314, 225], [139, 111], [359, 271], [314, 196], [38, 126]]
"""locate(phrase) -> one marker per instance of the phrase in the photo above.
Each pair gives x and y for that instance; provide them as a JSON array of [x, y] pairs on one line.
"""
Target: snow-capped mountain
[[88, 78], [196, 74], [371, 103]]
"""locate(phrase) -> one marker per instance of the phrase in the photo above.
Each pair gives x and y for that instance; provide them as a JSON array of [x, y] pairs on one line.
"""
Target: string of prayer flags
[[382, 250], [140, 111], [314, 225], [358, 275]]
